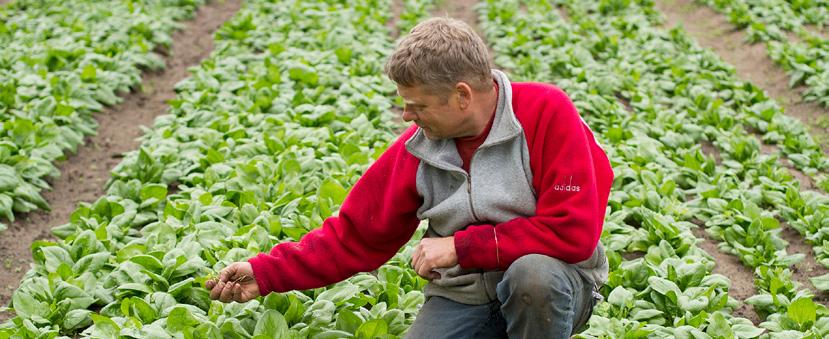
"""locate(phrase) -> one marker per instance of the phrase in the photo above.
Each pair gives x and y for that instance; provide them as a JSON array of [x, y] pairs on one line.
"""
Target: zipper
[[469, 187], [469, 175]]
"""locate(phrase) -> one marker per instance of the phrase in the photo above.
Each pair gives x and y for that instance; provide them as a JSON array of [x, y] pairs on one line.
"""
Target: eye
[[414, 108]]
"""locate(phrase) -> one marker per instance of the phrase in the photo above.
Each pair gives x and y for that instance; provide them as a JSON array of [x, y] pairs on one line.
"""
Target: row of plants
[[261, 144], [805, 211], [813, 12], [655, 97], [774, 22], [60, 62], [784, 27]]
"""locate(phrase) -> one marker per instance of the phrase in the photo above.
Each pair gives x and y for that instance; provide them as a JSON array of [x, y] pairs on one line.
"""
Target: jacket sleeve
[[572, 178], [377, 217]]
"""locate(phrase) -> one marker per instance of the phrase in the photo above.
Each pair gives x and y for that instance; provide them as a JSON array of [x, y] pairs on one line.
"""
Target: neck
[[484, 112]]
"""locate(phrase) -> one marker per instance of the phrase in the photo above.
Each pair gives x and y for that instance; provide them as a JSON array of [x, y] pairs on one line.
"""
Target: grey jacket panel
[[498, 188]]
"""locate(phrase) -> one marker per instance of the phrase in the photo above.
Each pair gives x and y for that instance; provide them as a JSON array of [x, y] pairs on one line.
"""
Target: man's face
[[437, 117]]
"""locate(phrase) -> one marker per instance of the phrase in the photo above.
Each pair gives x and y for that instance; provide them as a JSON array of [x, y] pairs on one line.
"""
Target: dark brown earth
[[742, 277], [83, 175], [751, 62], [809, 267]]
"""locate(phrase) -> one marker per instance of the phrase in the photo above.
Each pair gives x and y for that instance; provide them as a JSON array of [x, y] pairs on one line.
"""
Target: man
[[510, 178]]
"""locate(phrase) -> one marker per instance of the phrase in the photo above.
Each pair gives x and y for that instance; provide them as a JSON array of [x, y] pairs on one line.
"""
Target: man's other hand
[[432, 253], [235, 283]]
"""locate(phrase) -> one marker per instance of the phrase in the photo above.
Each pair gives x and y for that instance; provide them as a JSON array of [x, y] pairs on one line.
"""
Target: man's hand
[[434, 253], [235, 283]]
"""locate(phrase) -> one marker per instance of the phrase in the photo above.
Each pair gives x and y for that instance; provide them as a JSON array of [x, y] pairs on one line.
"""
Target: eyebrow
[[409, 102]]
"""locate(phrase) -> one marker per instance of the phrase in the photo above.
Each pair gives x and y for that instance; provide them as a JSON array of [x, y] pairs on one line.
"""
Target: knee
[[536, 277]]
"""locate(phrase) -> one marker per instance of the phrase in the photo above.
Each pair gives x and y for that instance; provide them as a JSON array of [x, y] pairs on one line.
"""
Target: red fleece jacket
[[380, 213]]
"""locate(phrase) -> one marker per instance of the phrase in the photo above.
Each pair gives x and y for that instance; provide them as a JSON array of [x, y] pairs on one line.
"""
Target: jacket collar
[[443, 153]]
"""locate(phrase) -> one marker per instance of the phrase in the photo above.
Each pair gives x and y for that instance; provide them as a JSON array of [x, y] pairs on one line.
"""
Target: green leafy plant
[[61, 61]]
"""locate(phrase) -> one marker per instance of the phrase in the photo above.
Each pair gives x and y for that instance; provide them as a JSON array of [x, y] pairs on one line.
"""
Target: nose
[[408, 114]]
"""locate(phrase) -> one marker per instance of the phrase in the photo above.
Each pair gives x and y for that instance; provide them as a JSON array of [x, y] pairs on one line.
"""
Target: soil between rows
[[742, 277], [83, 175], [751, 61]]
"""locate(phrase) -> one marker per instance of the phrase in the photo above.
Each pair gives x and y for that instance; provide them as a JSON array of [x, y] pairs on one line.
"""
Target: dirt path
[[464, 10], [752, 63], [742, 277], [84, 174], [809, 267], [397, 8]]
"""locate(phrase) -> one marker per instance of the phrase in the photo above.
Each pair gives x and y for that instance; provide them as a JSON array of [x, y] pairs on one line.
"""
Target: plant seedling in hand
[[234, 283]]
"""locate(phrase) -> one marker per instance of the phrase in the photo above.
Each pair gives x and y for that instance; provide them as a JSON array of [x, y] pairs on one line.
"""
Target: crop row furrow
[[60, 62]]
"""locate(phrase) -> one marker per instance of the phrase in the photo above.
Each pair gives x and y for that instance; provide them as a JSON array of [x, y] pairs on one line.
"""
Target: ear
[[464, 93]]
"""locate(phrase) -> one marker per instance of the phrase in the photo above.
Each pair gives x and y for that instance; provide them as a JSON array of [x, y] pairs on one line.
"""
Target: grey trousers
[[539, 297]]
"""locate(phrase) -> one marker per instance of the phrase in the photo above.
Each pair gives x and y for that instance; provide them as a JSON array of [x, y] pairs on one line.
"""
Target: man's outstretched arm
[[376, 219]]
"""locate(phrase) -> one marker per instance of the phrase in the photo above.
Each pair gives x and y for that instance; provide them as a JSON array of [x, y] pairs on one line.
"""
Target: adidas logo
[[569, 187]]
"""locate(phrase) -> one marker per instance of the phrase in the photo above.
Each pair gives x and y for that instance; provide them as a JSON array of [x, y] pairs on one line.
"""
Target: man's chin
[[430, 135]]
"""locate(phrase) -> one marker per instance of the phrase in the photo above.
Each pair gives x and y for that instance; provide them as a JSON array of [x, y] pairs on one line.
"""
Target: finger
[[415, 259], [417, 256], [416, 265], [237, 292], [423, 269], [216, 291], [209, 284], [228, 273], [227, 293], [426, 274]]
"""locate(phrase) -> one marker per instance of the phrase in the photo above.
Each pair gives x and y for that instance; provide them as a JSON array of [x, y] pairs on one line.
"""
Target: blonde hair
[[437, 54]]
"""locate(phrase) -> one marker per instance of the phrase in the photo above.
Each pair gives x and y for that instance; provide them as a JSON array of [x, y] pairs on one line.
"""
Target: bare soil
[[806, 182], [751, 61], [708, 148], [83, 175], [742, 277], [809, 267], [817, 31], [463, 10], [397, 8]]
